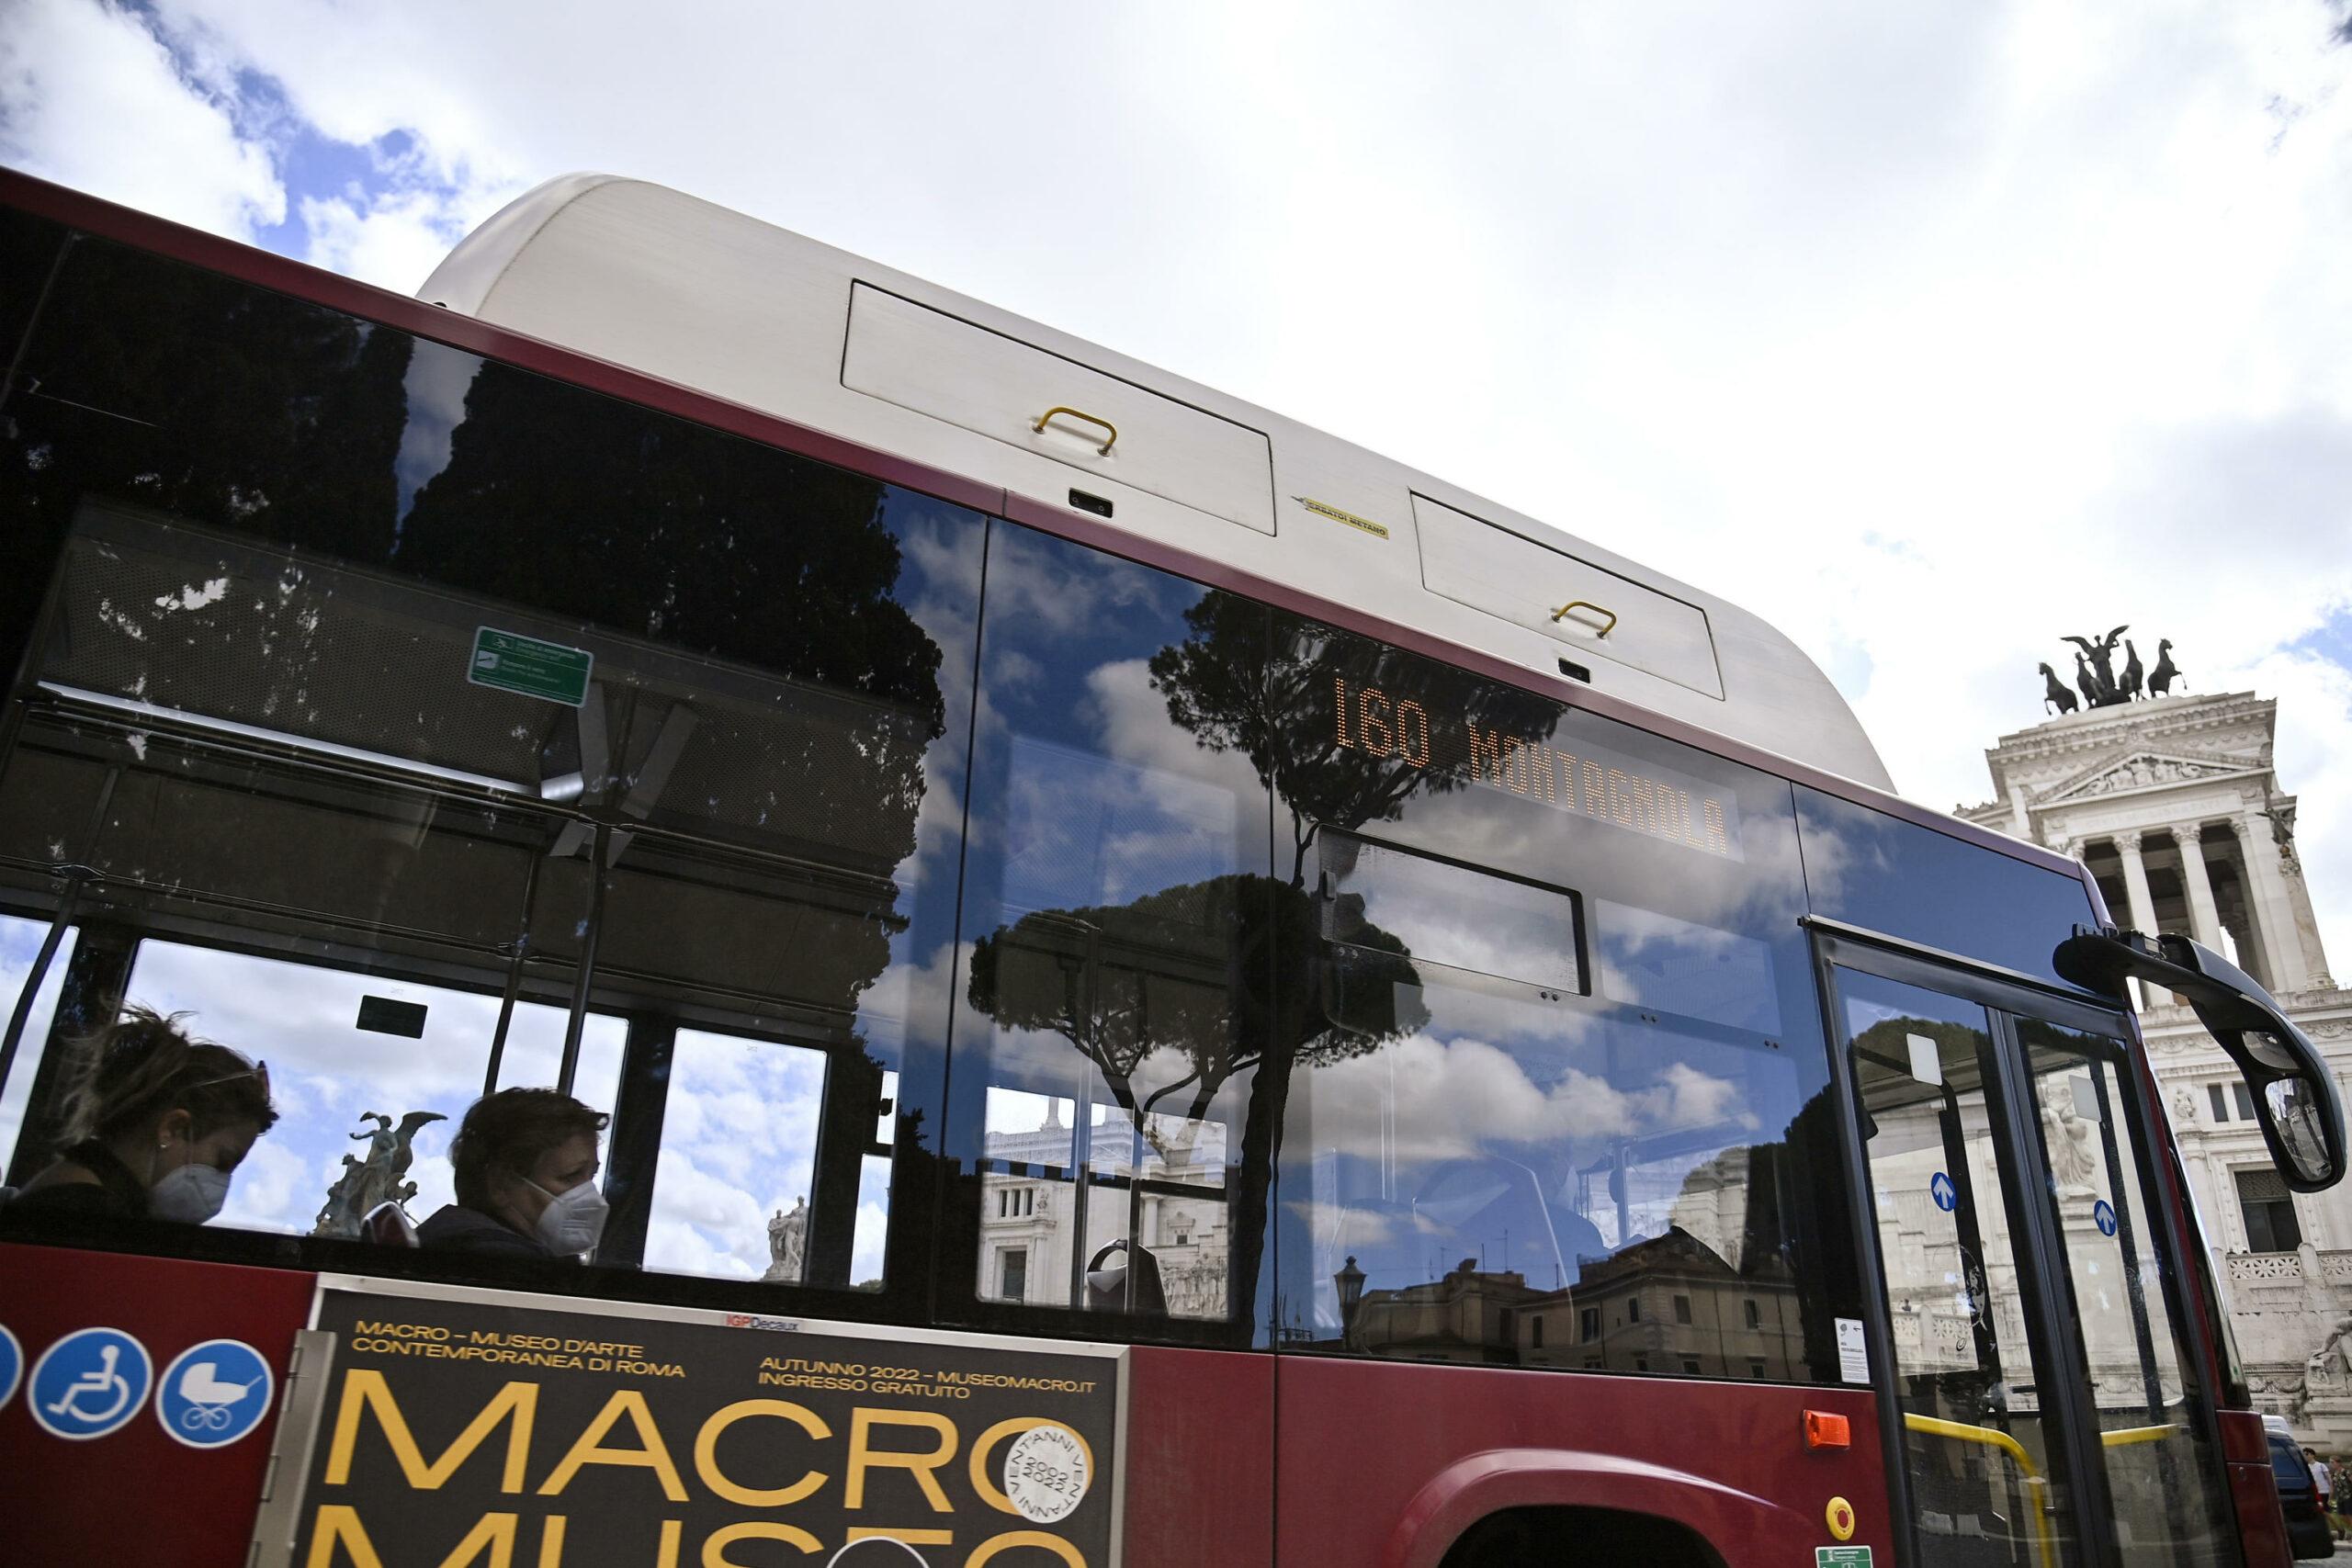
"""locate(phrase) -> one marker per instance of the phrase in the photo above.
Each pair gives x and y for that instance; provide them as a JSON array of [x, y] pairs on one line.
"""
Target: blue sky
[[1929, 334]]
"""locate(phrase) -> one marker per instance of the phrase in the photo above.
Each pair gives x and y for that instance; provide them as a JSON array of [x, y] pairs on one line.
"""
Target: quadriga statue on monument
[[2096, 678]]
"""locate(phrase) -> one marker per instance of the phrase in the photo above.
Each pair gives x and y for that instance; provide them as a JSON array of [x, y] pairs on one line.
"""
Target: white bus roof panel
[[675, 287]]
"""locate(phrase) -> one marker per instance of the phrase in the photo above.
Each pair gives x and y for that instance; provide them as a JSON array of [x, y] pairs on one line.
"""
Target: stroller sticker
[[214, 1394], [89, 1384]]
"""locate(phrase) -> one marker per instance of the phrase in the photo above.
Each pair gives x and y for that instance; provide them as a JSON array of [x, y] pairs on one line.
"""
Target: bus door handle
[[1561, 613], [1102, 451]]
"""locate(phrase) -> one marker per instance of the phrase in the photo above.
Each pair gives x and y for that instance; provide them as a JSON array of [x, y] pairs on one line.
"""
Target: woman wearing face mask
[[158, 1120], [526, 1166]]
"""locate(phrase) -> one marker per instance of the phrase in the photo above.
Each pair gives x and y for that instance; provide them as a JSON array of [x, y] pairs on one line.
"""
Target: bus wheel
[[1559, 1538]]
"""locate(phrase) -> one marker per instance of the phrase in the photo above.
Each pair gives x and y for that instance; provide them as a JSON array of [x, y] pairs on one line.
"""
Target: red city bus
[[1166, 990]]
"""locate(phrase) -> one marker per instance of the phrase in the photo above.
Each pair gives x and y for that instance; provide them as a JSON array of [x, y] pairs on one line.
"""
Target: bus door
[[2042, 1408]]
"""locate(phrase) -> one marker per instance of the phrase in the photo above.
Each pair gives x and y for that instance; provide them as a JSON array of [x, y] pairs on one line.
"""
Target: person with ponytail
[[157, 1122]]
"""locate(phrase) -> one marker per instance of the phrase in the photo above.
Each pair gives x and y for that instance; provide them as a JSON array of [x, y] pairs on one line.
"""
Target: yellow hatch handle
[[2037, 1489], [1104, 450], [1588, 604], [2124, 1437]]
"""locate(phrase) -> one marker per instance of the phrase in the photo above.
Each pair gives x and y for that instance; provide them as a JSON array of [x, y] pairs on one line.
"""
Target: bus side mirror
[[2294, 1094]]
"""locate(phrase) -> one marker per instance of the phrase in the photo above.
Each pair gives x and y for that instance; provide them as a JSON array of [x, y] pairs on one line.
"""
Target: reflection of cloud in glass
[[1084, 829], [1424, 1099], [1655, 960], [325, 1072], [436, 389]]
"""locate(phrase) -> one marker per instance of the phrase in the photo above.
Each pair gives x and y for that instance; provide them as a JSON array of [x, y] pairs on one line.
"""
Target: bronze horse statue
[[2160, 679], [2053, 692]]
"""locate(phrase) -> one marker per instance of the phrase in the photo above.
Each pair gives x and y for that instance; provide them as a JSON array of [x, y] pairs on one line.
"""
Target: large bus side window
[[1116, 920], [1557, 1093], [433, 714]]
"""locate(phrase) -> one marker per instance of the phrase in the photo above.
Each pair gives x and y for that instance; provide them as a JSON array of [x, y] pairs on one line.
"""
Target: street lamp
[[1351, 1282]]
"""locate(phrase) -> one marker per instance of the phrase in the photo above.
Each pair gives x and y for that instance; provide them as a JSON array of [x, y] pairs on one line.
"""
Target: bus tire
[[1555, 1538]]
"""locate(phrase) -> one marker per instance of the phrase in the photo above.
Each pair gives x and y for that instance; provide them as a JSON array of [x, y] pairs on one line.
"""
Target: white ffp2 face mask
[[573, 1221], [191, 1194]]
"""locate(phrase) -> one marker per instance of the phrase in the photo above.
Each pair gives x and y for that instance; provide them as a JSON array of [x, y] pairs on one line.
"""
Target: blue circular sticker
[[214, 1394], [1946, 1195], [89, 1384], [12, 1363], [2103, 1216]]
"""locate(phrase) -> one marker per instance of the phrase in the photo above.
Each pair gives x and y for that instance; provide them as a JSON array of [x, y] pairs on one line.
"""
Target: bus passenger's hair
[[509, 1131], [142, 1066]]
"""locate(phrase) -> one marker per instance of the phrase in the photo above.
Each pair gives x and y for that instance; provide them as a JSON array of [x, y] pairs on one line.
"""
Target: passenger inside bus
[[159, 1123], [525, 1164]]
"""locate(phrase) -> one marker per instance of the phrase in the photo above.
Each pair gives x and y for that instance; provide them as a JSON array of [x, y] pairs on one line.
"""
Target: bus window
[[739, 1144], [341, 1085], [1115, 886], [527, 723], [21, 945], [1555, 1050], [1880, 872]]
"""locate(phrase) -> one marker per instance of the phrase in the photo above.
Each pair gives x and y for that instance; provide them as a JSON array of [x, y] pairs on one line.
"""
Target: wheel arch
[[1501, 1481]]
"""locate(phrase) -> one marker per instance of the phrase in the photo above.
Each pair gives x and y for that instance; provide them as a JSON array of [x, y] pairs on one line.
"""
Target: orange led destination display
[[1590, 781]]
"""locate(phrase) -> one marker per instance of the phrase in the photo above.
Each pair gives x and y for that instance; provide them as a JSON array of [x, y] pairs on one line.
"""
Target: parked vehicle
[[2306, 1529]]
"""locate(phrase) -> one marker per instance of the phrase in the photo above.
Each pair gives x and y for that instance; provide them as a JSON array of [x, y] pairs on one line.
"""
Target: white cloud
[[89, 98], [395, 238]]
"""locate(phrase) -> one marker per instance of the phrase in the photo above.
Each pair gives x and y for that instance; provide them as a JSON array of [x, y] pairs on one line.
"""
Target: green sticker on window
[[526, 666], [1842, 1557]]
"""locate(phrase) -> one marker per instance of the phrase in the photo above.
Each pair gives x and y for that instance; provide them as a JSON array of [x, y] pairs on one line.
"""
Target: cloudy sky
[[1929, 332]]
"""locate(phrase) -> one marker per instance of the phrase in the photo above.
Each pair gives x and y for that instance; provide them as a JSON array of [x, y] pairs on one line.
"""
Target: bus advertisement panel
[[440, 1424]]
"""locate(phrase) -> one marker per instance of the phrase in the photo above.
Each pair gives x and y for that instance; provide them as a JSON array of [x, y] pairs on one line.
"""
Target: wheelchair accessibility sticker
[[12, 1363], [214, 1394], [89, 1384]]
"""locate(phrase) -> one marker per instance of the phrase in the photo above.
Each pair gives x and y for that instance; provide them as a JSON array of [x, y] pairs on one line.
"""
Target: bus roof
[[665, 283]]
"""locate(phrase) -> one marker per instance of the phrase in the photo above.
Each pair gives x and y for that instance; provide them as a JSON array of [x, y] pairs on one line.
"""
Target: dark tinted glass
[[1110, 1048], [422, 724], [1875, 870], [1555, 1059]]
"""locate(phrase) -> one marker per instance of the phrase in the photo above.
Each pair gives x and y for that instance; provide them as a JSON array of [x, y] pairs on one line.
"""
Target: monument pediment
[[2143, 770]]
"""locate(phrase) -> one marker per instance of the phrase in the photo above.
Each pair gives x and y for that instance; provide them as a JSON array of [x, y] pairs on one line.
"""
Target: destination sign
[[1590, 781]]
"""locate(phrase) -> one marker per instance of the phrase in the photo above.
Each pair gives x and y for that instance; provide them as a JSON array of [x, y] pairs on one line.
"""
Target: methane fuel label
[[516, 1430]]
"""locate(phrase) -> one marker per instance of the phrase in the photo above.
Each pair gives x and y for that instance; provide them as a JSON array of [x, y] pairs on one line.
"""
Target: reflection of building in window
[[2270, 1211], [1027, 1233], [1474, 1314], [1724, 1323]]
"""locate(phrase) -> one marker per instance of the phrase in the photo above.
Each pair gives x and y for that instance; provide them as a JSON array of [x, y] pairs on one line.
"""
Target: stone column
[[2204, 918], [2274, 916], [2299, 903], [2142, 905]]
